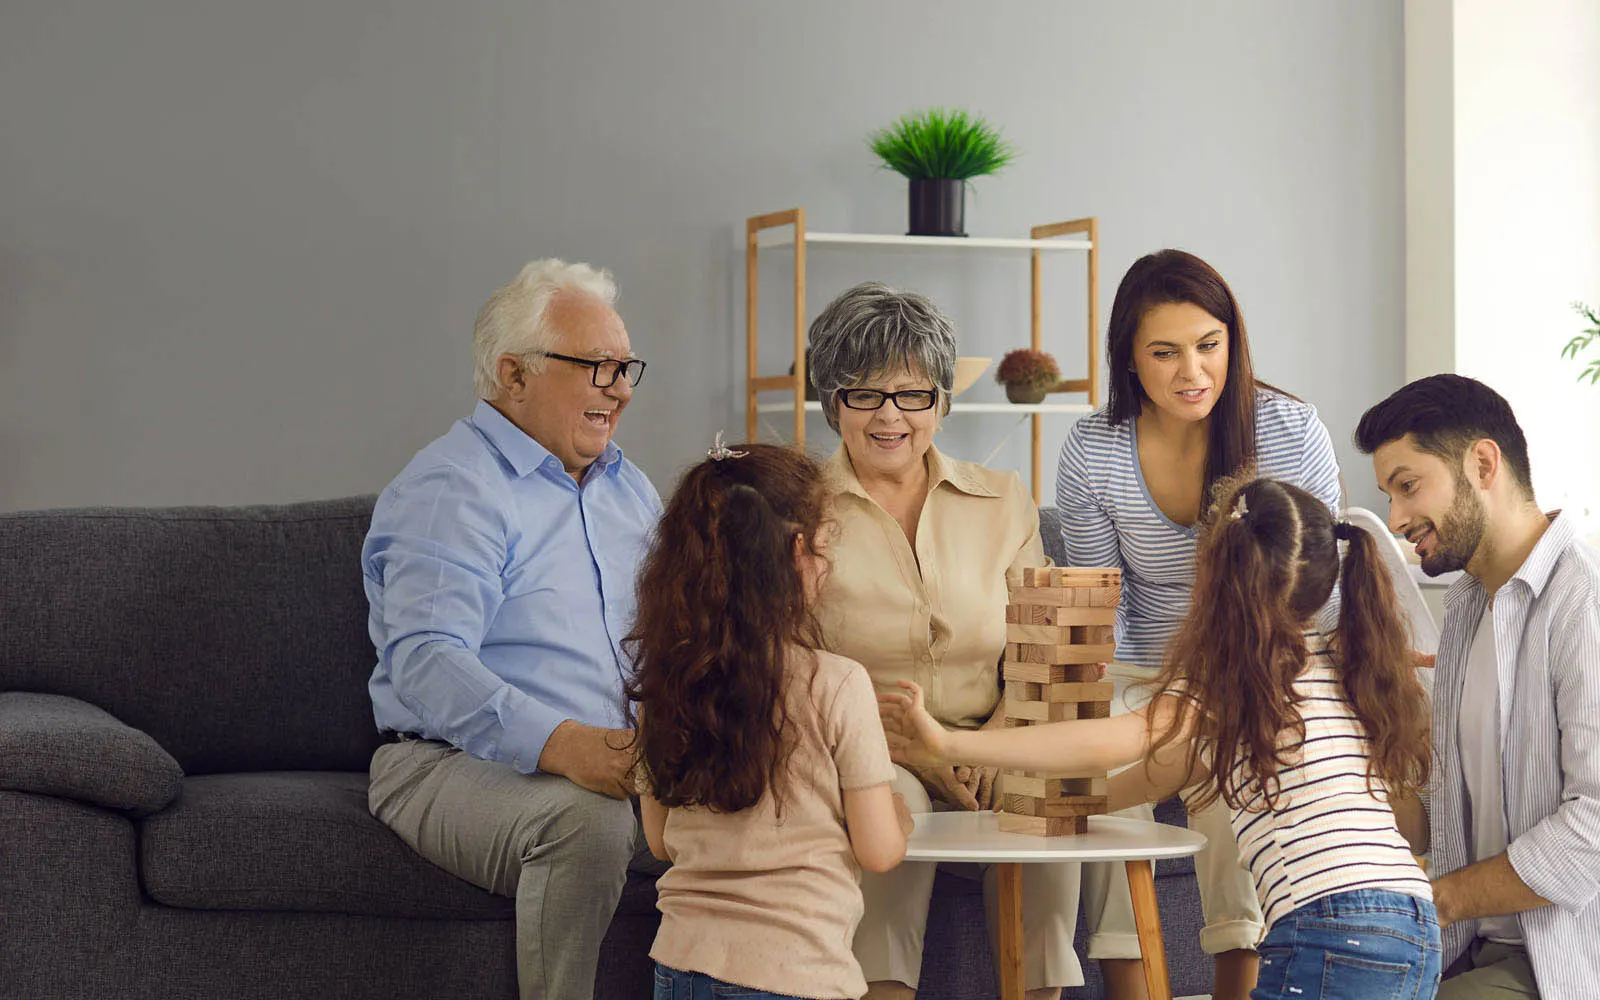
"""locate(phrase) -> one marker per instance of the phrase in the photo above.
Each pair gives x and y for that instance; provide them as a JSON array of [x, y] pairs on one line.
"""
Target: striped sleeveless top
[[1108, 517], [1327, 832]]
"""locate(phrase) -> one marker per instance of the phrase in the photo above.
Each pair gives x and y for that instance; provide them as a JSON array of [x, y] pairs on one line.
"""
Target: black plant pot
[[937, 207]]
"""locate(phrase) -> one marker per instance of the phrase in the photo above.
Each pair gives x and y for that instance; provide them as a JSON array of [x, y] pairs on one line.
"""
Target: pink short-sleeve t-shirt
[[771, 901]]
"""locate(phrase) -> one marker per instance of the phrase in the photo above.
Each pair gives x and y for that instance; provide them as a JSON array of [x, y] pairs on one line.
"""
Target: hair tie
[[1343, 530], [719, 451], [1240, 509]]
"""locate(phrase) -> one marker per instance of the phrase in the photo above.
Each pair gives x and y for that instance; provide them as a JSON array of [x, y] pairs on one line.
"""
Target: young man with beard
[[1515, 817]]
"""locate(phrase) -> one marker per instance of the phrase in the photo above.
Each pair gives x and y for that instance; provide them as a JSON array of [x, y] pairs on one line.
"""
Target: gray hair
[[513, 320], [873, 329]]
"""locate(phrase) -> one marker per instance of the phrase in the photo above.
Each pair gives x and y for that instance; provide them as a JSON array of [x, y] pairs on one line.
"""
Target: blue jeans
[[674, 985], [1359, 945]]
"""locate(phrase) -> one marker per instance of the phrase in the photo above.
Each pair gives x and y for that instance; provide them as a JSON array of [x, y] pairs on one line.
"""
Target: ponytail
[[1379, 679], [1234, 662], [721, 607]]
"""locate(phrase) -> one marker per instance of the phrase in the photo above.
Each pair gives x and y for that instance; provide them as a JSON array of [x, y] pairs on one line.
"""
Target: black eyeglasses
[[906, 400], [603, 373]]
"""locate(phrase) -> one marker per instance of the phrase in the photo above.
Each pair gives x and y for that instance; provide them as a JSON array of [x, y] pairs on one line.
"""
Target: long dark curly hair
[[1259, 579], [722, 607]]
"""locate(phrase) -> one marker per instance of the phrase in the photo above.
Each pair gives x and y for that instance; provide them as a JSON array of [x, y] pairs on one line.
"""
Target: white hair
[[513, 321]]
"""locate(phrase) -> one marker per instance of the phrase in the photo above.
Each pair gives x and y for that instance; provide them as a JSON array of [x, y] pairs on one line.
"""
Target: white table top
[[976, 836]]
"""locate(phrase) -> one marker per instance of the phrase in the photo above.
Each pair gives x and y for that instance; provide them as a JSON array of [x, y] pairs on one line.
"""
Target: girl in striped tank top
[[1317, 743]]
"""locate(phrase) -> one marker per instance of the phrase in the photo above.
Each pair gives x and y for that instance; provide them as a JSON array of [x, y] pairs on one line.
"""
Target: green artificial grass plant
[[940, 143]]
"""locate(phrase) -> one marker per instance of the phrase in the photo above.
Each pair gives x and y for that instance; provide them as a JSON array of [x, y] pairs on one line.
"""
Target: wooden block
[[1044, 826], [1030, 611], [1074, 805], [1099, 785], [1071, 576], [1049, 673], [1094, 710], [1095, 597], [1069, 691], [1039, 711], [1038, 652], [1012, 722], [1058, 786]]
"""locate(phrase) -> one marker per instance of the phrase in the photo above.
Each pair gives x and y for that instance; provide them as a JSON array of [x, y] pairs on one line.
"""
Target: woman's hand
[[982, 782]]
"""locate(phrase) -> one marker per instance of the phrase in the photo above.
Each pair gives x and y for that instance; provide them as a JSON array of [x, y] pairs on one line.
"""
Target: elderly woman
[[918, 592]]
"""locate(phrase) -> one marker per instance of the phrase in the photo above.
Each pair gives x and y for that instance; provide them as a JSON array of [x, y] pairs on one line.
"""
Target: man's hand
[[590, 757]]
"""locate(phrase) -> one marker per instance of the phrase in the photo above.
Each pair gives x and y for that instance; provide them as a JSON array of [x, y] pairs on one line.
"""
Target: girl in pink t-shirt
[[766, 776]]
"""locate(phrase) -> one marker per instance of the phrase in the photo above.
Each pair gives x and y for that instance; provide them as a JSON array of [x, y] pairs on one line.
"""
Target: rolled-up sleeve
[[1559, 857], [436, 551]]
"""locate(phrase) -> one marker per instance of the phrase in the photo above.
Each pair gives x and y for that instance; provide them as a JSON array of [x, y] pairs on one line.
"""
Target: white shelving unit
[[777, 230]]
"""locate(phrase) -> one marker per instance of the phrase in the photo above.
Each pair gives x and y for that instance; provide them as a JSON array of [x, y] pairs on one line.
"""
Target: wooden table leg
[[1012, 985], [1142, 883]]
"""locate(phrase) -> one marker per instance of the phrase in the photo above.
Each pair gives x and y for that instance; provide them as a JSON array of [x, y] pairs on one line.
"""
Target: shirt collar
[[1541, 562], [521, 451], [940, 470], [1535, 570]]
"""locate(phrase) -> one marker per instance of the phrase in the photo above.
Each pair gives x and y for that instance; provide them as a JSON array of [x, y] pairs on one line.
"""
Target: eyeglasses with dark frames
[[906, 400], [603, 372]]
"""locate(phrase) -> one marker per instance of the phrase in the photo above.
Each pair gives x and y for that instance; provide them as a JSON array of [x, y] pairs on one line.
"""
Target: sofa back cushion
[[235, 636]]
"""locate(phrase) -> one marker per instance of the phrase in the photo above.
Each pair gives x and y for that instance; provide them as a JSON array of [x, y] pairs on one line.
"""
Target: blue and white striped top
[[1108, 517], [1546, 622]]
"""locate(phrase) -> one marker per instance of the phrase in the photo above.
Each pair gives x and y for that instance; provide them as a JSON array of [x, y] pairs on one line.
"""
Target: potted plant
[[1583, 340], [1028, 375], [939, 151]]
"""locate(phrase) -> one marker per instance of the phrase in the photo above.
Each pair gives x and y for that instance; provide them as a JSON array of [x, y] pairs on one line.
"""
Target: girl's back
[[769, 896], [1327, 830]]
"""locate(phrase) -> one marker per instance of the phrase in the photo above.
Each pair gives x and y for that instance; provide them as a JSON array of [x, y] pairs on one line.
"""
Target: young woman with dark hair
[[1185, 411], [1317, 744], [765, 775]]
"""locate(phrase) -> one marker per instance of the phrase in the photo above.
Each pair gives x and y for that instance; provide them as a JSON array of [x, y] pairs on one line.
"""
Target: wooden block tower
[[1059, 625]]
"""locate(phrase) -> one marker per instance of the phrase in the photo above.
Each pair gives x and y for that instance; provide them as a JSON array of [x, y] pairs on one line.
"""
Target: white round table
[[976, 837]]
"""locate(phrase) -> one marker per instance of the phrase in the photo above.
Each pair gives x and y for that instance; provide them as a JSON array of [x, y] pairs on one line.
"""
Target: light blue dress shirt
[[500, 592]]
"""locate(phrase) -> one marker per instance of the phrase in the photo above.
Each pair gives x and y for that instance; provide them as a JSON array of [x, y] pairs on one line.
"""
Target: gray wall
[[241, 245]]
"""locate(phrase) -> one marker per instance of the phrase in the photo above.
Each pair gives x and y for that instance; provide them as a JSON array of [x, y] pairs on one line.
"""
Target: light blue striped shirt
[[500, 592], [1546, 623], [1108, 517]]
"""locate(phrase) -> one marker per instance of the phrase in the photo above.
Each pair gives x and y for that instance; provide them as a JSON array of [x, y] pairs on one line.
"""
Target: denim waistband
[[1367, 901]]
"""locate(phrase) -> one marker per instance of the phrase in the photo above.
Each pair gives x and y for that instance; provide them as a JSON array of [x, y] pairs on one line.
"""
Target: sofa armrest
[[54, 745]]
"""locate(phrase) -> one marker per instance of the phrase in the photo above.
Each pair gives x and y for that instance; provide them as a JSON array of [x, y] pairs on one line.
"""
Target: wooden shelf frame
[[1053, 236]]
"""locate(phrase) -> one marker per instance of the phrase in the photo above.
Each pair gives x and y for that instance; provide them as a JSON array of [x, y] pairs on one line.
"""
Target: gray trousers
[[561, 851], [1489, 970]]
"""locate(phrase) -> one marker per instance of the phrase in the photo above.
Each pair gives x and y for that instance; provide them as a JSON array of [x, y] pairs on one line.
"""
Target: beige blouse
[[943, 624]]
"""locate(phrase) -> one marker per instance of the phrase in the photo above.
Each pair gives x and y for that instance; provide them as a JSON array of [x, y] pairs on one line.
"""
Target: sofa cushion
[[301, 841], [61, 746], [235, 636]]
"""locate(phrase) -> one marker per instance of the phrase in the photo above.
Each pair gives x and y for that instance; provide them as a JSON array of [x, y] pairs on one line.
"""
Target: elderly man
[[1515, 818], [500, 570]]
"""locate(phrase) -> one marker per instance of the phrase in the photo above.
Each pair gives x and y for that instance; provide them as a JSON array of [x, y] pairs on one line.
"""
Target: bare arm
[[878, 824], [1486, 889], [1089, 745], [653, 816], [1411, 819], [1161, 777]]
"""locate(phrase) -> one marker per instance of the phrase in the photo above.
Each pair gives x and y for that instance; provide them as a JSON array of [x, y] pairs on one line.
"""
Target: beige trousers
[[560, 851], [1490, 971]]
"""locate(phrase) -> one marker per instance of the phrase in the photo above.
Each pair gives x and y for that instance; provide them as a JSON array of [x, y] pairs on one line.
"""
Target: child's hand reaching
[[915, 738]]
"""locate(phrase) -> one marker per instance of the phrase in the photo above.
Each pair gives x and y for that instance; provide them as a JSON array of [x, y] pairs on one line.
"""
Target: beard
[[1458, 533]]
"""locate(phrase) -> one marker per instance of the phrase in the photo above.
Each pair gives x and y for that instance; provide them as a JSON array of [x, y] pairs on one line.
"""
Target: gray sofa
[[184, 737]]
